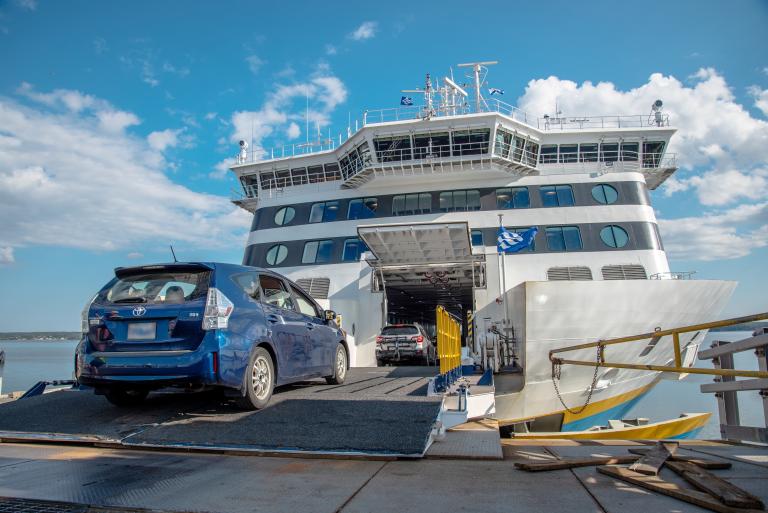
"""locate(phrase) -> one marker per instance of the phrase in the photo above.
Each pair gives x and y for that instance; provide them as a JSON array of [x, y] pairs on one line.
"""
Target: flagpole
[[502, 263]]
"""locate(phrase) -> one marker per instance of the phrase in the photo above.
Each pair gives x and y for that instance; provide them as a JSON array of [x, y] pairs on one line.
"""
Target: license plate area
[[142, 330]]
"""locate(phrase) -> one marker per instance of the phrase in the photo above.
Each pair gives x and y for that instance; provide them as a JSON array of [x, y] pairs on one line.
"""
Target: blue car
[[199, 325]]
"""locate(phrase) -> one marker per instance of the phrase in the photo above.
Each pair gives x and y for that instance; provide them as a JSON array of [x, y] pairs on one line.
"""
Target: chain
[[556, 370]]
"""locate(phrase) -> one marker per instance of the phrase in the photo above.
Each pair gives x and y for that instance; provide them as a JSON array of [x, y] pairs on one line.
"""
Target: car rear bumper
[[401, 354]]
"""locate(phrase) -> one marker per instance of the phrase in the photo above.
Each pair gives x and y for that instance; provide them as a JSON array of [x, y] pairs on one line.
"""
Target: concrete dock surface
[[92, 478]]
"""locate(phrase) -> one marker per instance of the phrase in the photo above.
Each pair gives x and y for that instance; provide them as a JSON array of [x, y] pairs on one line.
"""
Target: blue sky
[[116, 119]]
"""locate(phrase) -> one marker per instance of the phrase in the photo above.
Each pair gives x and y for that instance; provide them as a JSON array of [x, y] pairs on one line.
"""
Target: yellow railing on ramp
[[448, 342]]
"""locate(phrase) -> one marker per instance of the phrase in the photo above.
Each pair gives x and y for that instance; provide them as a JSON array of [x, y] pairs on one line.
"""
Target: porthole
[[605, 194], [284, 216], [614, 236], [276, 254]]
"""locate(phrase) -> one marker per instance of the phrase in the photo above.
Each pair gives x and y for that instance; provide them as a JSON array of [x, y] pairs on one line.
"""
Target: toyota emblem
[[139, 311]]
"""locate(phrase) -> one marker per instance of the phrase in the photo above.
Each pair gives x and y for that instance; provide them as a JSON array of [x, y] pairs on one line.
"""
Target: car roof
[[180, 266]]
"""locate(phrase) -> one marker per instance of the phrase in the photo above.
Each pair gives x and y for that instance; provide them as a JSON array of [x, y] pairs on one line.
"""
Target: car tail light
[[84, 325], [215, 363], [419, 338], [103, 333], [218, 308], [379, 340]]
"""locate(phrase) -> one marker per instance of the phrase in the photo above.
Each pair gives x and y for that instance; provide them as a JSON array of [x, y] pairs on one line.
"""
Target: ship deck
[[59, 478]]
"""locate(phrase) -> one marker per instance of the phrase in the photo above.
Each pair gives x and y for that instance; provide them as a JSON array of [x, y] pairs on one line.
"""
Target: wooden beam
[[671, 489], [718, 488], [703, 463], [573, 463], [650, 462]]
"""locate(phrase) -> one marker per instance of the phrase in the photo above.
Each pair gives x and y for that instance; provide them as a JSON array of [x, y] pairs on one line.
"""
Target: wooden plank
[[650, 462], [671, 489], [735, 347], [573, 463], [718, 488], [703, 463], [735, 386]]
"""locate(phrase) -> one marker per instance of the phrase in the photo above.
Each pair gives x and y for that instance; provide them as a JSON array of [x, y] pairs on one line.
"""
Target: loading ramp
[[377, 412]]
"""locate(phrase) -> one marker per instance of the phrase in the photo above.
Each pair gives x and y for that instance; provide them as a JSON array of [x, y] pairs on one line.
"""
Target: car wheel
[[259, 381], [126, 397], [339, 366]]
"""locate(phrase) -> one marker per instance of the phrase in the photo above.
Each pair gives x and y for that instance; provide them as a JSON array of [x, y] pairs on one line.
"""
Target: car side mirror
[[330, 315]]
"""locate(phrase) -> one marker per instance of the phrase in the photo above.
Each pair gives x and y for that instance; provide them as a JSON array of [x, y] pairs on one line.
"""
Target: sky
[[118, 120]]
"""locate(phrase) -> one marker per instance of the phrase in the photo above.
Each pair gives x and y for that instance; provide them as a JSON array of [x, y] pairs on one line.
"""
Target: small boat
[[688, 425]]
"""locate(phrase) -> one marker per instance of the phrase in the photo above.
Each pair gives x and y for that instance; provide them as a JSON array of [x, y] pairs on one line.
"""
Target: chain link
[[556, 371]]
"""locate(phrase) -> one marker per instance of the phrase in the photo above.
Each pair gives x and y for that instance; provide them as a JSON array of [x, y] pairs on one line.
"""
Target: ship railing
[[411, 112], [726, 387], [674, 275], [567, 123], [606, 162]]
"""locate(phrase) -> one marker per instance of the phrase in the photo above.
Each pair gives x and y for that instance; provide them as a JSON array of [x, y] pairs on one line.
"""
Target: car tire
[[126, 397], [340, 365], [259, 381]]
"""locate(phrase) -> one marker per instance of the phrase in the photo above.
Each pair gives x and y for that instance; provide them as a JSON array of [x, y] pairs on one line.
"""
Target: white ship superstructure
[[402, 215]]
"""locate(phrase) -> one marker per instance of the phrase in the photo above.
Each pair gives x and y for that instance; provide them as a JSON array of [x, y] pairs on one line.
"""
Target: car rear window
[[159, 287], [400, 330]]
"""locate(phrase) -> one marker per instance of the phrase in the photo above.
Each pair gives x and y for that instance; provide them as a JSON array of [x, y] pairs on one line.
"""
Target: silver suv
[[398, 342]]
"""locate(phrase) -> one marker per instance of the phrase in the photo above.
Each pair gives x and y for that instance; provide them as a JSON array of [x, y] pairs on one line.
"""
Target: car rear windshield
[[160, 287], [400, 330]]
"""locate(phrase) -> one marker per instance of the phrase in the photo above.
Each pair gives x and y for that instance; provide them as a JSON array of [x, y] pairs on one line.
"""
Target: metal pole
[[503, 281]]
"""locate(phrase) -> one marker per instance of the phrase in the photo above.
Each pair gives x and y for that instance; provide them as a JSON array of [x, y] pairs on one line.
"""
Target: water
[[30, 361]]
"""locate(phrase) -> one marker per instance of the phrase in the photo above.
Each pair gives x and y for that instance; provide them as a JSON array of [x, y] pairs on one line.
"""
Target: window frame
[[235, 279], [277, 245], [561, 230], [602, 187], [299, 295], [360, 249], [363, 206], [285, 286], [405, 211], [543, 194], [325, 209], [513, 194], [285, 210], [613, 230], [319, 242], [459, 192]]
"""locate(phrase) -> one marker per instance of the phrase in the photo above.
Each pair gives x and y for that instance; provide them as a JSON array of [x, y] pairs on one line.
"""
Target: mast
[[476, 67]]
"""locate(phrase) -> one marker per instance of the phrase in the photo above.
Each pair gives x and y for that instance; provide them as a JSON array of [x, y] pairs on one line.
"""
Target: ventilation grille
[[569, 273], [624, 272], [316, 287]]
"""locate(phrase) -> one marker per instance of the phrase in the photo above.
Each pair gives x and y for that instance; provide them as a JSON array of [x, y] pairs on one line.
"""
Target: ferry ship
[[400, 215]]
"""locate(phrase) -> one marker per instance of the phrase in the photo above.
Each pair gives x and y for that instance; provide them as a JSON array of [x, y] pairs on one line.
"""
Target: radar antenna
[[477, 67], [428, 92]]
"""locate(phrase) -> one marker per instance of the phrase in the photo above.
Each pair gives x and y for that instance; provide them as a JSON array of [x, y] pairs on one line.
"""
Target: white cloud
[[366, 30], [293, 131], [30, 5], [221, 169], [182, 71], [331, 50], [76, 178], [719, 145], [6, 255], [286, 105], [162, 139], [761, 98], [134, 255], [254, 63], [210, 116]]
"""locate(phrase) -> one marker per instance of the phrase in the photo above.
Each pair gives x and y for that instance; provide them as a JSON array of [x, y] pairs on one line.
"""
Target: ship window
[[563, 238], [283, 178], [470, 142], [652, 152], [588, 153], [276, 254], [569, 152], [614, 236], [548, 154], [459, 201], [629, 151], [512, 197], [267, 179], [531, 153], [521, 229], [324, 212], [609, 152], [299, 176], [332, 172], [604, 193], [518, 145], [410, 204], [431, 145], [362, 208], [284, 216], [316, 174], [477, 238], [556, 196], [353, 249], [392, 149], [503, 143], [317, 252]]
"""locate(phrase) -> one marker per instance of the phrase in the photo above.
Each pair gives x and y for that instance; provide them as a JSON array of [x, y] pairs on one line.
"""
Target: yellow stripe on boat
[[665, 429], [598, 407]]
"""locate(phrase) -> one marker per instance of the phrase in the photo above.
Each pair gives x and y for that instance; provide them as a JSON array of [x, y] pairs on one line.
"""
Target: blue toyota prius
[[199, 325]]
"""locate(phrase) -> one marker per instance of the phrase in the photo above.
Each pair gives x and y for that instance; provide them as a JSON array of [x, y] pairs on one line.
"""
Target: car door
[[290, 334], [323, 343]]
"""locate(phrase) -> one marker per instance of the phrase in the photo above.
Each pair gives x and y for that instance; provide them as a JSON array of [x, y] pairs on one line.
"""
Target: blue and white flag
[[406, 100], [512, 242], [495, 90]]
